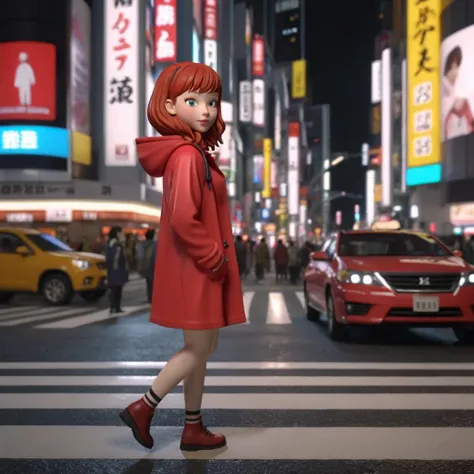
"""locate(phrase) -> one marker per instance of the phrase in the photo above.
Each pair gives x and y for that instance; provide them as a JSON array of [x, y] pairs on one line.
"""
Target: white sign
[[376, 82], [121, 82], [210, 53], [19, 217], [258, 90], [277, 131], [462, 214], [245, 102], [19, 140], [293, 176], [58, 215]]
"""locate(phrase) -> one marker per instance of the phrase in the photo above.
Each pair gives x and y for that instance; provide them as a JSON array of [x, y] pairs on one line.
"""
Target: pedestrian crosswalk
[[261, 307], [305, 416]]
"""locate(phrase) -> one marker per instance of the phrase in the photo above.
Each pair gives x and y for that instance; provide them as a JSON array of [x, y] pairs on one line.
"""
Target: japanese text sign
[[423, 78], [121, 81], [165, 31], [210, 19], [258, 56]]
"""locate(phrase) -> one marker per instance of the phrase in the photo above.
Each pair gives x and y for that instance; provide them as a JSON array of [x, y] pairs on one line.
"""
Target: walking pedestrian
[[146, 255], [197, 285], [117, 268]]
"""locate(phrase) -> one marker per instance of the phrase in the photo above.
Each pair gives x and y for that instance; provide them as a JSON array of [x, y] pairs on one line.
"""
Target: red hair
[[178, 79]]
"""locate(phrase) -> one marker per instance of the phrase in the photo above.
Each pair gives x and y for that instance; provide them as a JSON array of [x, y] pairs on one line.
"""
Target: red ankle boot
[[197, 437], [137, 417]]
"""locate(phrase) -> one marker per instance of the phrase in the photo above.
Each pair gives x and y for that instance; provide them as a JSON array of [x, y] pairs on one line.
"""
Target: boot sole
[[200, 447], [129, 421]]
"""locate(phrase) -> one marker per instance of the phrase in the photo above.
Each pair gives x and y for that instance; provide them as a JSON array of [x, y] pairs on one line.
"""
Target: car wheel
[[6, 296], [92, 296], [337, 331], [464, 333], [57, 289], [311, 313]]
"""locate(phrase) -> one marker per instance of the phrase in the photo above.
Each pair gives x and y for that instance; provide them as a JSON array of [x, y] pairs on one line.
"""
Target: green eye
[[191, 102], [213, 103]]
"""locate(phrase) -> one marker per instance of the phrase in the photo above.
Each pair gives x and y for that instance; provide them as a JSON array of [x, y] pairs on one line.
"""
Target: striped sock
[[151, 398], [193, 417]]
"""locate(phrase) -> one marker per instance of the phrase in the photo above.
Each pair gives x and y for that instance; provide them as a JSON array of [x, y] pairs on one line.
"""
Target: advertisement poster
[[457, 65], [122, 95], [28, 81], [80, 67], [423, 73]]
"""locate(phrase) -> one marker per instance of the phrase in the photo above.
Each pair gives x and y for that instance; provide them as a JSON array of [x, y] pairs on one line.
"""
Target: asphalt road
[[289, 400]]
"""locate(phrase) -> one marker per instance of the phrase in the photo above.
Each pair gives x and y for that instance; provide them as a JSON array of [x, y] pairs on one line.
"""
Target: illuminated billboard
[[34, 141], [28, 81], [457, 105], [122, 85], [423, 95]]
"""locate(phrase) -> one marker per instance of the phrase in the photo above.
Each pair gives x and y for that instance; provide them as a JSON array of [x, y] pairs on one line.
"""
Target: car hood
[[407, 264], [79, 256]]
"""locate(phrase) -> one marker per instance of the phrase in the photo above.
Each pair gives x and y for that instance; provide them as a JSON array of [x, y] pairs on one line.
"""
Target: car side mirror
[[319, 256], [457, 253], [23, 251]]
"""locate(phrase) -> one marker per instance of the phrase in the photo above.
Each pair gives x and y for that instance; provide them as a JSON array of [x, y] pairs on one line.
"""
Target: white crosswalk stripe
[[281, 307], [403, 411]]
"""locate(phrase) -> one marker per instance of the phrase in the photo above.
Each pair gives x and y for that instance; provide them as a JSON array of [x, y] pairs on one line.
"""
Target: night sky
[[340, 48]]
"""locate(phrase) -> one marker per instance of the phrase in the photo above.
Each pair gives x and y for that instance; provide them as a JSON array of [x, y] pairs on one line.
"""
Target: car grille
[[101, 265], [422, 283], [442, 313]]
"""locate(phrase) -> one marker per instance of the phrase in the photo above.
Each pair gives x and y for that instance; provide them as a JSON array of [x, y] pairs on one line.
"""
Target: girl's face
[[197, 110], [453, 73]]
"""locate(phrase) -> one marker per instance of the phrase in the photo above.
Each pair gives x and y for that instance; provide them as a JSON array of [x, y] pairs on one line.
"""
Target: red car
[[372, 278]]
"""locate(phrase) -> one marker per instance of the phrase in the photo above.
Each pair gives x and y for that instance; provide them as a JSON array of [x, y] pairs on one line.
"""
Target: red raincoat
[[195, 233]]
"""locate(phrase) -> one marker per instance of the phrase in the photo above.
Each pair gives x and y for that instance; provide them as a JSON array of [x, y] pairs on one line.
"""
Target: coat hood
[[154, 152]]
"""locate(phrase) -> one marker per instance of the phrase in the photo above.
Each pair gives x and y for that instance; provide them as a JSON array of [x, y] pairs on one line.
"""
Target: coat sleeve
[[184, 203]]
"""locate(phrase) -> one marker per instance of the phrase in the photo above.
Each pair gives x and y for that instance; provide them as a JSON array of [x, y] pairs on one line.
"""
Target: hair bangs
[[195, 77]]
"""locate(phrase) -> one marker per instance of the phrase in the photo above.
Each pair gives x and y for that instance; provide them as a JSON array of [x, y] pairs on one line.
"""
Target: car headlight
[[359, 278], [81, 264], [466, 279]]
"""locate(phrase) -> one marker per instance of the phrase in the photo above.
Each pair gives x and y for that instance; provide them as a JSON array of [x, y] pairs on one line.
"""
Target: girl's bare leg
[[198, 346], [194, 386]]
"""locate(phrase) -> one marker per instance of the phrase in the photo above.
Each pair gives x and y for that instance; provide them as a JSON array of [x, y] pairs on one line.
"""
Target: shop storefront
[[80, 208]]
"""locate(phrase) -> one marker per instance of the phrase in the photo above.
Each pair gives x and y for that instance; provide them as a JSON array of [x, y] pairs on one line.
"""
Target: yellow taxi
[[33, 262]]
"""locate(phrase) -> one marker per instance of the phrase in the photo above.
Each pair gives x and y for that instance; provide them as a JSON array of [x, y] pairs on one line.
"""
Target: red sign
[[197, 13], [294, 129], [210, 19], [28, 81], [258, 56], [165, 31]]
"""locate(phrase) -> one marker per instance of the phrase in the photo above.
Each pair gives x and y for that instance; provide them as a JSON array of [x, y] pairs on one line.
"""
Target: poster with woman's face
[[457, 68]]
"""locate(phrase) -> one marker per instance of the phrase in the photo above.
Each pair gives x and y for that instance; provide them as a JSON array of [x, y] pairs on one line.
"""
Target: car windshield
[[380, 244], [48, 243]]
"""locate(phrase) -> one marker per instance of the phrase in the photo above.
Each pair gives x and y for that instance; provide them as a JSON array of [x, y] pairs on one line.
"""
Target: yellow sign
[[81, 148], [267, 168], [298, 79], [378, 193], [376, 120], [423, 75]]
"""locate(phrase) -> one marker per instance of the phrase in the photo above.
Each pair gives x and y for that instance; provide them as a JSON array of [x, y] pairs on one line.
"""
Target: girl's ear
[[170, 107]]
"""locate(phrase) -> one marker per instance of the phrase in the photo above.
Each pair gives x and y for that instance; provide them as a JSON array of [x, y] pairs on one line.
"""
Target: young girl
[[197, 284]]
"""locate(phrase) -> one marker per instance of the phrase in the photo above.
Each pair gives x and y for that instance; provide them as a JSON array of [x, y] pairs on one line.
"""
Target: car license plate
[[425, 304]]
